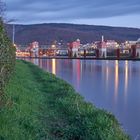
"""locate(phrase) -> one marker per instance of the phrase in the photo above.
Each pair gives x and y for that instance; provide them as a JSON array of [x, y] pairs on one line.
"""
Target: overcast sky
[[94, 12]]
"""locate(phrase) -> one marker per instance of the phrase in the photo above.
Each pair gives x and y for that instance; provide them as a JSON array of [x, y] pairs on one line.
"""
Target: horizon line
[[41, 23]]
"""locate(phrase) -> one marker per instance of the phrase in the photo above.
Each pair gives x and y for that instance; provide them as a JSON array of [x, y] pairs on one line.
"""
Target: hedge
[[7, 57]]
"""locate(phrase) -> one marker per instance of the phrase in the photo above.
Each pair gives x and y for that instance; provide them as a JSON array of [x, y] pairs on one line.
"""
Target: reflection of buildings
[[107, 76], [116, 79], [126, 79], [54, 66], [35, 61], [76, 68], [40, 63]]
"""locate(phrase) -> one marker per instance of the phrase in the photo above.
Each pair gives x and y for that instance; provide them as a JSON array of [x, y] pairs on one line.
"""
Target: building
[[111, 44], [138, 48], [128, 44], [34, 49], [101, 46], [73, 47]]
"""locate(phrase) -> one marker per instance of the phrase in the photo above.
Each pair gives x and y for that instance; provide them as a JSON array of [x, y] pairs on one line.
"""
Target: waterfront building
[[111, 44], [101, 46], [138, 48], [128, 44], [73, 47], [34, 49]]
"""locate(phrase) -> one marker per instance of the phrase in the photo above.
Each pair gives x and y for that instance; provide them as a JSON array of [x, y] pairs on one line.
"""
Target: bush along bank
[[7, 58], [40, 106]]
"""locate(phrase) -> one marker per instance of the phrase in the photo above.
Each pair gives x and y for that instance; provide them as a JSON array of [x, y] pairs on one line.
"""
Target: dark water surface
[[111, 85]]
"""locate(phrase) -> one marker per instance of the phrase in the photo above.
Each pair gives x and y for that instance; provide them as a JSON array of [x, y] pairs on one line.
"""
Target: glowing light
[[54, 66], [53, 46], [126, 79], [116, 62]]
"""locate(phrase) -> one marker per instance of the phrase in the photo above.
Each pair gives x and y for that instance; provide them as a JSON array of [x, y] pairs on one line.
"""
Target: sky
[[123, 13]]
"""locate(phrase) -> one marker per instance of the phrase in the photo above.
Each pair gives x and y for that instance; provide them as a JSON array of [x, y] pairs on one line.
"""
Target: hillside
[[47, 33]]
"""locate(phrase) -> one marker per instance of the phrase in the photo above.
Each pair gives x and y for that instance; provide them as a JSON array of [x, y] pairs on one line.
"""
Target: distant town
[[97, 49]]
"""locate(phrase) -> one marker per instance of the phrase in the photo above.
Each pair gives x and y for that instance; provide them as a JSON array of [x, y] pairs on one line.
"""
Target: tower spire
[[102, 38]]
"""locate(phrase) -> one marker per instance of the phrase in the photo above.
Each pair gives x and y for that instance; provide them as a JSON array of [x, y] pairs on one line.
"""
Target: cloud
[[28, 11]]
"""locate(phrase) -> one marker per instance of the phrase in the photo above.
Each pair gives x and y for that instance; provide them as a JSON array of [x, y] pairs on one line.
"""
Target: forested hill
[[47, 33]]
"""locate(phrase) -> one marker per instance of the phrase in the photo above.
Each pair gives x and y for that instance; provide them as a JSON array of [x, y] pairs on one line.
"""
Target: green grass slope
[[39, 106]]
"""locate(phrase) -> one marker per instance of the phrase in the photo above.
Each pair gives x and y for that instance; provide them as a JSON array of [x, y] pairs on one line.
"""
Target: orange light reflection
[[126, 80], [54, 66]]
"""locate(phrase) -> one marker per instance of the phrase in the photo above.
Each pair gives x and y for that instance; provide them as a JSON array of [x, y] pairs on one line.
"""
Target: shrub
[[7, 57]]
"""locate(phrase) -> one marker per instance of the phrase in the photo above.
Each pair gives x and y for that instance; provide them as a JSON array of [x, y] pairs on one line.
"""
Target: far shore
[[82, 58]]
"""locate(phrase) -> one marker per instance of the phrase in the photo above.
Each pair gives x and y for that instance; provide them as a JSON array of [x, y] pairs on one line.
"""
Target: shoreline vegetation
[[7, 57], [40, 106]]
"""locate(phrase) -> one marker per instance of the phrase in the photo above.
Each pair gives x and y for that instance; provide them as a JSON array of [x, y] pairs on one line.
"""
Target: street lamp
[[13, 34], [13, 29]]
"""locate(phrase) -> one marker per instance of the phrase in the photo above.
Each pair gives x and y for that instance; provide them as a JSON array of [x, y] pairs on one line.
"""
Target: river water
[[111, 85]]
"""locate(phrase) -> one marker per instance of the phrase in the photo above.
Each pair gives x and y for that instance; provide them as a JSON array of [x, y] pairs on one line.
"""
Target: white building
[[74, 47], [35, 49], [138, 48], [111, 44], [103, 49]]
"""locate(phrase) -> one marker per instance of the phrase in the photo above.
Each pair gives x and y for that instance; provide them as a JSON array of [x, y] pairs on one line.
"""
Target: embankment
[[39, 106]]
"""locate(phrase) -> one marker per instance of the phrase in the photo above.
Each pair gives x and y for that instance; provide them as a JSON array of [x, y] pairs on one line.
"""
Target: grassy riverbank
[[39, 106]]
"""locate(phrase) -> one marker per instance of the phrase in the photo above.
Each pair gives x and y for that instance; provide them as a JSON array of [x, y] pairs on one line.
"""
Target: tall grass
[[39, 106]]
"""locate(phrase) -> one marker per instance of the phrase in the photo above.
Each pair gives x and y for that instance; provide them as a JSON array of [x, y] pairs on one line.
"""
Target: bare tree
[[2, 7], [2, 12]]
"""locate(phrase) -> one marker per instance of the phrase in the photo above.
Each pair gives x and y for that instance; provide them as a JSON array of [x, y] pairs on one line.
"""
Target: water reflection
[[78, 71], [107, 76], [40, 63], [54, 66], [126, 81], [35, 61], [116, 79]]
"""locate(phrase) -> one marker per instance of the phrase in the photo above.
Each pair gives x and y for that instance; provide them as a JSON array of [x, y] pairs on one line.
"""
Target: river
[[110, 85]]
